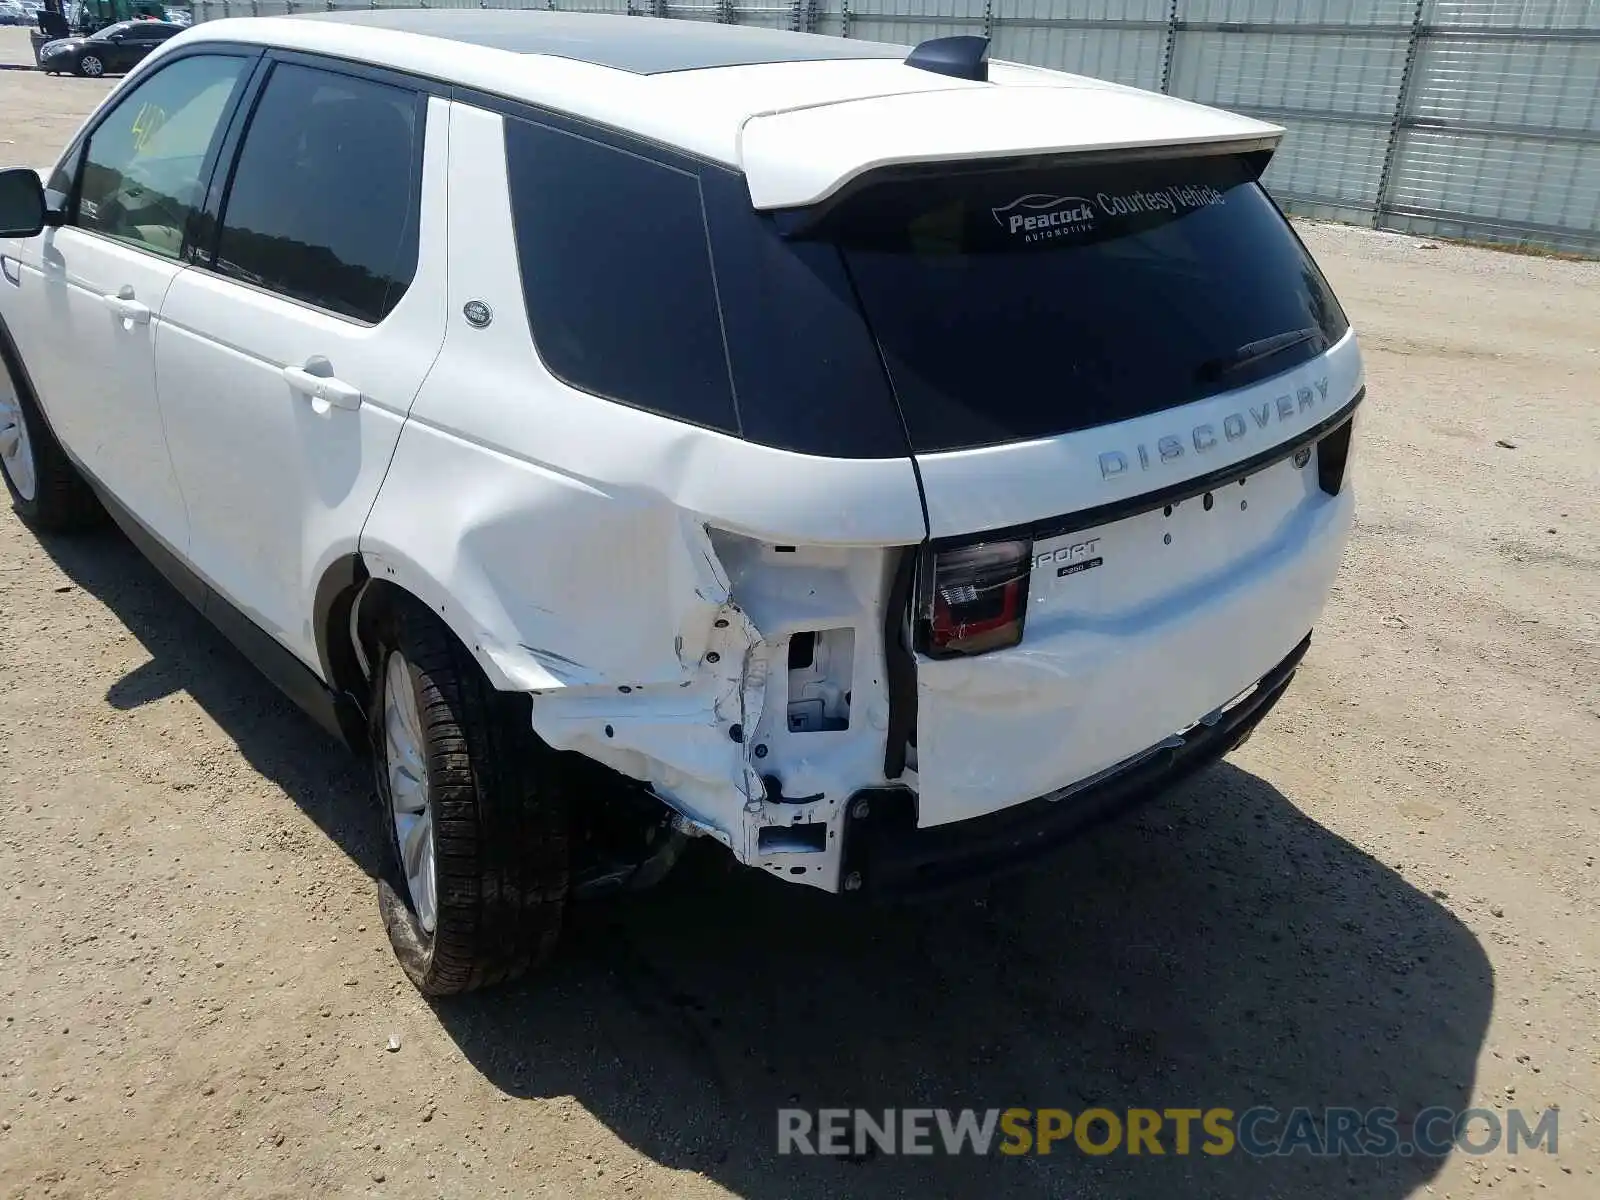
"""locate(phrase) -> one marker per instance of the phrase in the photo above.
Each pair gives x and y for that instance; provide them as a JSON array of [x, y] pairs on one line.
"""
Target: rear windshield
[[994, 306], [1015, 304]]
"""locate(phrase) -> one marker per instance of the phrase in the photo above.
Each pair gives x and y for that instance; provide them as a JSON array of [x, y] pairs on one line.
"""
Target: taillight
[[979, 598]]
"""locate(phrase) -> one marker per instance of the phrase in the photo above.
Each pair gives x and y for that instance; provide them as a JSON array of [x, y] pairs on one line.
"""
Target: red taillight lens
[[980, 598]]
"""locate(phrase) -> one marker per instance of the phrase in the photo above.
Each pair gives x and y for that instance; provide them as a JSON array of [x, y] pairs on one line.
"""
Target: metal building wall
[[1500, 135], [1455, 118]]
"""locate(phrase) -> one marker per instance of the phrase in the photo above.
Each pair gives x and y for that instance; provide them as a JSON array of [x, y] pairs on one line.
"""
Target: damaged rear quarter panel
[[623, 567], [650, 643]]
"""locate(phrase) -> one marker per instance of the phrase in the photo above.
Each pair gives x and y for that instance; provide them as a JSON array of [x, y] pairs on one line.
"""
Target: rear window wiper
[[1251, 353]]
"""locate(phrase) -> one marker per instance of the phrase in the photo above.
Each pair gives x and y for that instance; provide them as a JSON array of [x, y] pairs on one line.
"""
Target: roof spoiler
[[801, 157], [964, 57]]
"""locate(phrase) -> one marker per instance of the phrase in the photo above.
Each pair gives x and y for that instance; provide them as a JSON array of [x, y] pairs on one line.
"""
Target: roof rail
[[965, 57]]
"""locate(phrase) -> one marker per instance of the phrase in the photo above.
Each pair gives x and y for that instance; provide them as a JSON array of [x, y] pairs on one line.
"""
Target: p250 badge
[[1069, 560]]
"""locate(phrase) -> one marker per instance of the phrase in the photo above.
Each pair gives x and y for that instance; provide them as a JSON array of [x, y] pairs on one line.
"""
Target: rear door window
[[1019, 304], [324, 201]]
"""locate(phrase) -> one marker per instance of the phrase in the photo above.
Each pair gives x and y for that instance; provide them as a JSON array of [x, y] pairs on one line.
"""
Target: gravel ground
[[1389, 897]]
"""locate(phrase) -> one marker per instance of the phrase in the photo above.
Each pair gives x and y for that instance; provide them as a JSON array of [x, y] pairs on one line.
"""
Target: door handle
[[310, 381], [126, 307]]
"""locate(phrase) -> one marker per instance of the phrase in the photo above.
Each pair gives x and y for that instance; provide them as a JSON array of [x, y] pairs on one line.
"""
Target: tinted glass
[[142, 172], [617, 275], [1012, 305], [324, 199], [806, 373]]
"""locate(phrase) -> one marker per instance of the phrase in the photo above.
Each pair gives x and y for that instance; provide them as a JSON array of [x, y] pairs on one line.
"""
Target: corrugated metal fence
[[1456, 118]]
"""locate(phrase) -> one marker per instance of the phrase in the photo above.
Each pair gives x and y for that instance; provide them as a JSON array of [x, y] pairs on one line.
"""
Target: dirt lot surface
[[1389, 897]]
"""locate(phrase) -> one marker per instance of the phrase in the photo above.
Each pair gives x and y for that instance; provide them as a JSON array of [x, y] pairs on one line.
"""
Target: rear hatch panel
[[1106, 364], [1137, 628]]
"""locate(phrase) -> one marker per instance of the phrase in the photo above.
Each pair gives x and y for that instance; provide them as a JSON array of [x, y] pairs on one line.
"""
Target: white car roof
[[800, 114]]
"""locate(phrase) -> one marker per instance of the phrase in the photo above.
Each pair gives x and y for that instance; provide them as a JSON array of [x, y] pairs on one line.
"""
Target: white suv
[[884, 464]]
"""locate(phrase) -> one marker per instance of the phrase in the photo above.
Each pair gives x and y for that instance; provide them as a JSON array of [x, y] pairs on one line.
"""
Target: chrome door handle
[[334, 392], [126, 307]]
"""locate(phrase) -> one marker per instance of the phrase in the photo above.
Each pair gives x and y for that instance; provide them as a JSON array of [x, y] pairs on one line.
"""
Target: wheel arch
[[353, 590], [338, 654]]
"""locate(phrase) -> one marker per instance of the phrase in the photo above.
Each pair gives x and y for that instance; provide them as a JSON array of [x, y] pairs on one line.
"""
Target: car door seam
[[156, 324], [444, 288]]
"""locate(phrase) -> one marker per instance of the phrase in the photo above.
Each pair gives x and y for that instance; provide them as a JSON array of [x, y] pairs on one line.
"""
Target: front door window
[[141, 177]]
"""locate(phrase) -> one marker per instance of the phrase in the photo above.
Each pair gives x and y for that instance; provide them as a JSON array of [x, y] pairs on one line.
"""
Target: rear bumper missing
[[886, 855]]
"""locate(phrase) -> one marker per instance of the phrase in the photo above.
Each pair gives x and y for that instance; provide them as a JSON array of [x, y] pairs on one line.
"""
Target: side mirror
[[23, 213]]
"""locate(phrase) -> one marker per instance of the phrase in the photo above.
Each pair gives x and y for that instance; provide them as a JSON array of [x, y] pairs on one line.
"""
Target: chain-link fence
[[1457, 118]]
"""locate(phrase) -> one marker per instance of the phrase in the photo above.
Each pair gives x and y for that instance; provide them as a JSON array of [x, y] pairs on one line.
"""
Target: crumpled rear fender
[[640, 576], [551, 581], [650, 639]]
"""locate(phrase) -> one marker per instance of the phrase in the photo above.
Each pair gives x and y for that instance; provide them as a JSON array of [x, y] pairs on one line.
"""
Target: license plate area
[[1155, 556]]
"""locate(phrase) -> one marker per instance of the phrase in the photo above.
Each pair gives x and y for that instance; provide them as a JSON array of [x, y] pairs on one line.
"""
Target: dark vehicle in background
[[112, 51]]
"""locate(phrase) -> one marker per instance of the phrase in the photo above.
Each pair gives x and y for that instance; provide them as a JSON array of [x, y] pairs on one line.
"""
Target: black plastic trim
[[187, 584], [330, 615], [200, 239], [889, 857], [1119, 510], [1333, 456], [964, 56], [244, 89], [900, 667]]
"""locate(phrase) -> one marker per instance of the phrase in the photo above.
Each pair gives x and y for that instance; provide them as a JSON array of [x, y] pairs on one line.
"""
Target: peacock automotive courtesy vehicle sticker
[[1040, 216]]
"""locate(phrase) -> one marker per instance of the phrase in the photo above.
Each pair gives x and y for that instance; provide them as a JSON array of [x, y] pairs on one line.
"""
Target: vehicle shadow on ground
[[187, 654], [1218, 949]]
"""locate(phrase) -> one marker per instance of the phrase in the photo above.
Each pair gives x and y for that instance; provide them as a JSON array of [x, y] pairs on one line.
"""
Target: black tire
[[500, 831], [83, 70], [61, 500]]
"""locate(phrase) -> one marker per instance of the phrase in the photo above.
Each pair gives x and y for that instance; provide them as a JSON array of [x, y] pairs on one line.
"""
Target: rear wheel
[[46, 489], [473, 809]]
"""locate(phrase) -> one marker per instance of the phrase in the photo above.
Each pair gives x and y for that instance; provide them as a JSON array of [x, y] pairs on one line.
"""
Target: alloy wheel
[[16, 451], [409, 804]]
